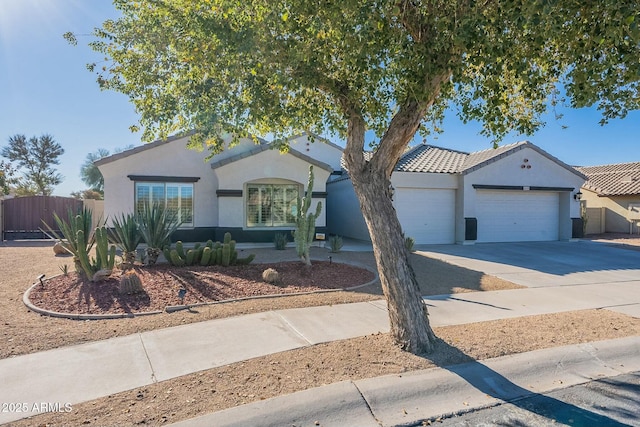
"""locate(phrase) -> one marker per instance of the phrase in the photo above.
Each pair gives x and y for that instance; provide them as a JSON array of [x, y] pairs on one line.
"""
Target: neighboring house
[[516, 192], [611, 196], [249, 190]]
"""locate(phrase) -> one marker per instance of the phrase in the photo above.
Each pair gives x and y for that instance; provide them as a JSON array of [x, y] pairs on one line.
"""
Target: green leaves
[[281, 67]]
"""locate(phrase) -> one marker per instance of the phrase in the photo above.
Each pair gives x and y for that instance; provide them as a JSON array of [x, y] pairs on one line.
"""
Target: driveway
[[543, 264]]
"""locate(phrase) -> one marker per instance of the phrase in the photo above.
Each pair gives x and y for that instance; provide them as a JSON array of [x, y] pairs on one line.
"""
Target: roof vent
[[627, 179]]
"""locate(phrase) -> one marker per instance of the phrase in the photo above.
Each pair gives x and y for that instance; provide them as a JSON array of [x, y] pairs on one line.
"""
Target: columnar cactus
[[305, 230], [99, 268], [211, 253]]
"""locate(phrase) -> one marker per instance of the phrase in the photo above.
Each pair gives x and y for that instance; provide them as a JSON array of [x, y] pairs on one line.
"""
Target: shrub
[[280, 241], [156, 225], [126, 235], [335, 243], [409, 242], [80, 241]]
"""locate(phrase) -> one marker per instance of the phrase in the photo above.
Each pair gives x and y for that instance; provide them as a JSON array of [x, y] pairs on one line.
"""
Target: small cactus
[[130, 283], [271, 276]]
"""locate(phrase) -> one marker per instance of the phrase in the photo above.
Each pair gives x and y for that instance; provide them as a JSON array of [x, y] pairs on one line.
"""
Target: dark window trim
[[319, 194], [229, 193], [519, 188], [158, 178]]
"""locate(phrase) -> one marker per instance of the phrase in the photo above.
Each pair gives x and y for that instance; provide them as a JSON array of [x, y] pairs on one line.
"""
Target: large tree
[[35, 157], [348, 66], [90, 173], [7, 178]]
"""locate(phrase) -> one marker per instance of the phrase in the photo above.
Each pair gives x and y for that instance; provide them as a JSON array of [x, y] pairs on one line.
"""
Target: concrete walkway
[[125, 363]]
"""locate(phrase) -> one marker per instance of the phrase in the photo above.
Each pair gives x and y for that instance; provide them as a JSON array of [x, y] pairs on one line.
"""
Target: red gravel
[[71, 294]]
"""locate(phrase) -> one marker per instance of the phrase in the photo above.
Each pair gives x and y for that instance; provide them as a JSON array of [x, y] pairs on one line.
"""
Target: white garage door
[[517, 216], [426, 215]]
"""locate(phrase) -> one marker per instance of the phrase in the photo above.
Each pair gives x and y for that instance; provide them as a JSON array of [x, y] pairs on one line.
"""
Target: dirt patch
[[365, 357], [26, 332], [161, 284]]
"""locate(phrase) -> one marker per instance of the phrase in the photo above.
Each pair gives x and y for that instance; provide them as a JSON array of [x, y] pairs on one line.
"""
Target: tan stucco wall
[[508, 171], [616, 211], [319, 150], [170, 159], [269, 166]]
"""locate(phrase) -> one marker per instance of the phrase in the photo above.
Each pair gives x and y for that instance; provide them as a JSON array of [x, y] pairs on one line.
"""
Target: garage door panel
[[511, 216], [426, 215]]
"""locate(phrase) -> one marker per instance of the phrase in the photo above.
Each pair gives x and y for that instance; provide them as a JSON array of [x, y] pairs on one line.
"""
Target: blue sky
[[45, 88]]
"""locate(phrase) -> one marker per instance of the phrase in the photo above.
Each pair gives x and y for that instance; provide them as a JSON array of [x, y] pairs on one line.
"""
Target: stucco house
[[249, 189], [611, 196], [516, 192]]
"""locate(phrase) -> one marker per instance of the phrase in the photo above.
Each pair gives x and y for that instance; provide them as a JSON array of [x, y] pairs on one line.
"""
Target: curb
[[175, 308], [427, 396]]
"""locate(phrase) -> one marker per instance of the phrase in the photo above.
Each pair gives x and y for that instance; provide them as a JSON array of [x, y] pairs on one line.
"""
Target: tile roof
[[428, 158], [619, 179], [478, 159], [265, 147]]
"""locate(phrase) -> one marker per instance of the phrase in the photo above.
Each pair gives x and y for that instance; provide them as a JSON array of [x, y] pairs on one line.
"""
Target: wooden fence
[[22, 217]]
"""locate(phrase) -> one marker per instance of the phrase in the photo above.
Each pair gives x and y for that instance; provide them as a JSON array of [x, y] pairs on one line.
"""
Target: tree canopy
[[265, 66], [256, 67], [90, 173], [35, 157], [7, 173]]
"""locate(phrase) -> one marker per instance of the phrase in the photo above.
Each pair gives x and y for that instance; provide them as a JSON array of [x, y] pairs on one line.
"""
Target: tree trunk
[[408, 314]]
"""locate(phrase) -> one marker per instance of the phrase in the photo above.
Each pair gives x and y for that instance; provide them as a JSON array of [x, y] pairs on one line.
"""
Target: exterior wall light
[[577, 196]]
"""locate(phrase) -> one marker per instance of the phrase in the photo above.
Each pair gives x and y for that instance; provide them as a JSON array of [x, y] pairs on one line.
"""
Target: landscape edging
[[174, 308]]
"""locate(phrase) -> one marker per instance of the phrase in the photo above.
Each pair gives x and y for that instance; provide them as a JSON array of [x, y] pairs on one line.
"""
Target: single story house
[[249, 189], [516, 192], [611, 197]]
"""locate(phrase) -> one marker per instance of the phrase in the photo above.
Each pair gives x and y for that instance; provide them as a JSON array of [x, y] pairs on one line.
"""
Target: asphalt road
[[613, 401]]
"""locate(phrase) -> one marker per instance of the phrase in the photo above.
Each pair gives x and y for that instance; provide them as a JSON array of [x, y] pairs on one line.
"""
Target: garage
[[517, 216], [426, 215]]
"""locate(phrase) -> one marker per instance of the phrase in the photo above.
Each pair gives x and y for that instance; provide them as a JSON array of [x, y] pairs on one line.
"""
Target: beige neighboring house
[[611, 196]]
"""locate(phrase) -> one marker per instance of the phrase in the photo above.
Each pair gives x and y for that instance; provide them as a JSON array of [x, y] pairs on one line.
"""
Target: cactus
[[130, 283], [175, 259], [246, 260], [191, 256], [180, 249], [99, 268], [206, 256], [226, 255], [210, 254], [305, 230]]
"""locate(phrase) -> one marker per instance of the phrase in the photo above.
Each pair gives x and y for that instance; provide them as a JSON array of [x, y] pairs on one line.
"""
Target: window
[[175, 197], [271, 205]]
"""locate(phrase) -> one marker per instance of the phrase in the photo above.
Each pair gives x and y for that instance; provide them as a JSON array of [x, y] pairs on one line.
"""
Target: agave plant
[[126, 235], [69, 227], [156, 224]]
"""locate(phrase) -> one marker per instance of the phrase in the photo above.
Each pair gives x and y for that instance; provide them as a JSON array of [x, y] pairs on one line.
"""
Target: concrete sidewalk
[[124, 363]]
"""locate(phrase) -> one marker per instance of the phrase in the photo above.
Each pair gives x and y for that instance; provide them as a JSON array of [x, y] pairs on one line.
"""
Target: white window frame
[[153, 185], [288, 209]]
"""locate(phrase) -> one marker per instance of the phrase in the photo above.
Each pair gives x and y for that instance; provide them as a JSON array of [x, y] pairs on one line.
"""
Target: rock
[[60, 248]]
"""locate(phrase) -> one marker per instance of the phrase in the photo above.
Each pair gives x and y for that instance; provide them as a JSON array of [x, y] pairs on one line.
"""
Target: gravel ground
[[26, 332]]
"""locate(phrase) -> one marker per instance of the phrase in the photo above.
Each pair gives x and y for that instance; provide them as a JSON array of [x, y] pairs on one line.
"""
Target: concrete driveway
[[540, 264]]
